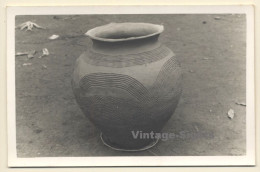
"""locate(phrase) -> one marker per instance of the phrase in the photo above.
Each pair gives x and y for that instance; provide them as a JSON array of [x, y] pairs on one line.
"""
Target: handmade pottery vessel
[[127, 83]]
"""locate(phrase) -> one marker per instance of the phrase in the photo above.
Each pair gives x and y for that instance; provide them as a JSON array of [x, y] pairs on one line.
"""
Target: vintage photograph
[[131, 85]]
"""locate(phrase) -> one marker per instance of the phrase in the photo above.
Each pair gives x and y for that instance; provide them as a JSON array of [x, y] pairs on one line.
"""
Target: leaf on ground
[[217, 18], [52, 37], [29, 26], [196, 128], [241, 103], [231, 113], [44, 66], [21, 53], [27, 64], [45, 52], [205, 58]]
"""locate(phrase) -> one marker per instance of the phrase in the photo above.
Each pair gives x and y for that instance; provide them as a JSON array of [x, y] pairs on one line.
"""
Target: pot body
[[127, 88]]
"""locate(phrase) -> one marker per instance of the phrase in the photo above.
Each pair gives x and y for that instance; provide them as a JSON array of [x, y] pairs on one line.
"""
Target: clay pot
[[127, 82]]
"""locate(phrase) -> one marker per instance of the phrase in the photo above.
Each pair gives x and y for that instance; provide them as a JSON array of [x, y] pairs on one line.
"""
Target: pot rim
[[92, 32]]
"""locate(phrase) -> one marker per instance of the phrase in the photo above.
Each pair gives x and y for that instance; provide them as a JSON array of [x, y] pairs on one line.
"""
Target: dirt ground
[[210, 48]]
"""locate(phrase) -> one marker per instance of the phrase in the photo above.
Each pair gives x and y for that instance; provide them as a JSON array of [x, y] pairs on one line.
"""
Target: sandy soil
[[212, 52]]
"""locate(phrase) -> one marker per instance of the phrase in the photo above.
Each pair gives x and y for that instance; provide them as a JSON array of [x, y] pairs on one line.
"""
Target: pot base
[[110, 145]]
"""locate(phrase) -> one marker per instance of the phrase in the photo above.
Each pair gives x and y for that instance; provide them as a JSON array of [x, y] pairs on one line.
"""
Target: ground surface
[[212, 52]]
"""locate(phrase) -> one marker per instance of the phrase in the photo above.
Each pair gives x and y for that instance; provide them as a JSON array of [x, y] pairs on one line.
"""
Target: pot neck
[[126, 47]]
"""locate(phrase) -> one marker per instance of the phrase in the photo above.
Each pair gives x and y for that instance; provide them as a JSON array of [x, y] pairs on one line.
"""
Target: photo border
[[248, 159]]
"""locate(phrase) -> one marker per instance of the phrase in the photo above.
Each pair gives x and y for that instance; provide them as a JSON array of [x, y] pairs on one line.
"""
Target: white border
[[248, 159]]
